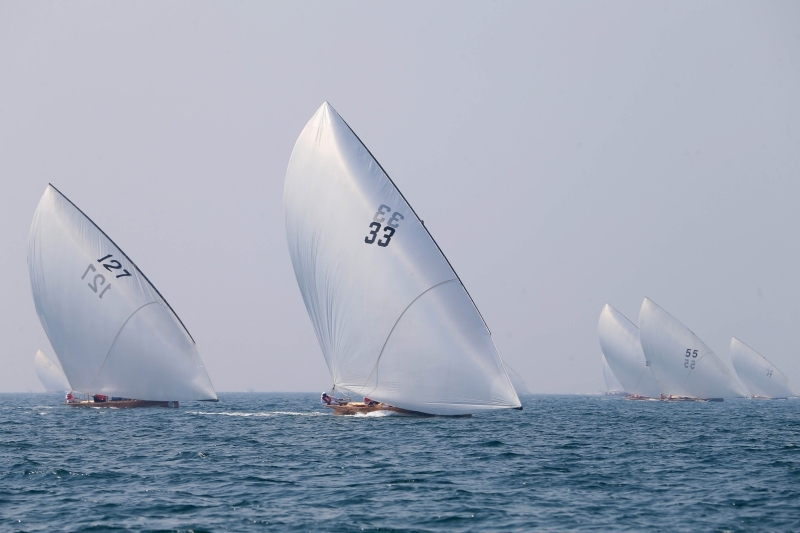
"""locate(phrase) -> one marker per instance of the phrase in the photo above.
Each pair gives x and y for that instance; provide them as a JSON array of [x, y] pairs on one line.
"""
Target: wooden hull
[[125, 404], [688, 399], [358, 408]]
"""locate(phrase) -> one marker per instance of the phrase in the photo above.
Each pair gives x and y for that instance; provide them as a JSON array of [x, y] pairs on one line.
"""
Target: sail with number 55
[[683, 365], [114, 333], [392, 318]]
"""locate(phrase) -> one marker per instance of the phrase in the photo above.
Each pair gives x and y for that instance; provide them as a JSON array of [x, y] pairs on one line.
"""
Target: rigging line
[[115, 341], [375, 367], [129, 259], [416, 215], [638, 380]]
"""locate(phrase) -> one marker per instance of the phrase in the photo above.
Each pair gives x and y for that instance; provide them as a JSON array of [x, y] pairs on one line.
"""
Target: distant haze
[[563, 154]]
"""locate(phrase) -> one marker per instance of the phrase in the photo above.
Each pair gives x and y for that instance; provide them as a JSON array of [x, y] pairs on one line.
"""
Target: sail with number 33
[[392, 318], [113, 332]]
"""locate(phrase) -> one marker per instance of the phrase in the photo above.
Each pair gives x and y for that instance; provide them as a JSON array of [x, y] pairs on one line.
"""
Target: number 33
[[388, 232]]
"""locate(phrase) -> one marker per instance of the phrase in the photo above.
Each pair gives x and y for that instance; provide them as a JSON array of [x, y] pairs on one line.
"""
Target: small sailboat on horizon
[[684, 367], [119, 342], [516, 380], [613, 386], [621, 346], [50, 373], [393, 320], [763, 379]]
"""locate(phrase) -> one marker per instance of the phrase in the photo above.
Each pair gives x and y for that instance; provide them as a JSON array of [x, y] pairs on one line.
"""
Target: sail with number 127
[[113, 332], [393, 319]]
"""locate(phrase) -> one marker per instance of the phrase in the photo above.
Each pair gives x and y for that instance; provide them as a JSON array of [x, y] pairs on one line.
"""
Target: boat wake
[[256, 414], [377, 414]]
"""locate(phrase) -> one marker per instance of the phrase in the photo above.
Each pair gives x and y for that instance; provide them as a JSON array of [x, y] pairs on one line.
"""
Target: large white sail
[[392, 318], [613, 386], [50, 373], [761, 377], [682, 364], [113, 332], [619, 341]]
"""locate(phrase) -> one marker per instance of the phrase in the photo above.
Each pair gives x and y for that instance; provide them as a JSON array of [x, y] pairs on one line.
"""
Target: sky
[[563, 154]]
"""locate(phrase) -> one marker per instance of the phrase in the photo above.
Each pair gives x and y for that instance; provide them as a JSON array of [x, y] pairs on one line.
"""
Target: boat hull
[[754, 397], [689, 399], [126, 404], [358, 408]]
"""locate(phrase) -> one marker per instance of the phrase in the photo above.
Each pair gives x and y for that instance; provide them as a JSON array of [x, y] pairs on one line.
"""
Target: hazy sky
[[563, 154]]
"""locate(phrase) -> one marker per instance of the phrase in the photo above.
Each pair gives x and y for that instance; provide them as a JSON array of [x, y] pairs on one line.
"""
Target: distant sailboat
[[684, 367], [392, 318], [516, 380], [114, 334], [613, 386], [619, 341], [50, 373], [761, 377]]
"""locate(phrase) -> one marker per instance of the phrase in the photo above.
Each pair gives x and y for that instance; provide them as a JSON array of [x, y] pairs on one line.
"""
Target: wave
[[258, 413]]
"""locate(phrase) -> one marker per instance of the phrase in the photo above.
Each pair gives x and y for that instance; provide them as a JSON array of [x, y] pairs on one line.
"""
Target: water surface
[[280, 462]]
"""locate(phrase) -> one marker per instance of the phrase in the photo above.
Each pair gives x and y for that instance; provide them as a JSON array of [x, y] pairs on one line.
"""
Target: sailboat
[[619, 341], [119, 342], [683, 365], [613, 386], [761, 377], [393, 320], [50, 373], [516, 380]]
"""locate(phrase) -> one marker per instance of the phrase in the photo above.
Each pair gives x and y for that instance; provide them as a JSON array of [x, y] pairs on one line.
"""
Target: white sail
[[619, 341], [682, 364], [516, 380], [761, 377], [113, 332], [50, 373], [392, 318], [613, 386]]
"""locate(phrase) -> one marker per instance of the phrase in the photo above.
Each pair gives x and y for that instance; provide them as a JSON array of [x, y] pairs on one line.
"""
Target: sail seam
[[129, 259], [418, 218], [115, 341], [385, 342]]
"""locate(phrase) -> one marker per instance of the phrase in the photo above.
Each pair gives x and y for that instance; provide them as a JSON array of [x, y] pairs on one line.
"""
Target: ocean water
[[280, 462]]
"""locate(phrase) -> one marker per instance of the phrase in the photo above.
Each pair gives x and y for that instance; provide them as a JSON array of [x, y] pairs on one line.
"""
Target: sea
[[281, 462]]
